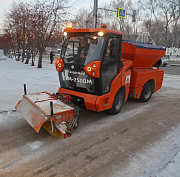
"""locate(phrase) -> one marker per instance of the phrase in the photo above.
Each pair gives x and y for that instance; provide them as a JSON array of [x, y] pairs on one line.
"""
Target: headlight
[[65, 33], [100, 33]]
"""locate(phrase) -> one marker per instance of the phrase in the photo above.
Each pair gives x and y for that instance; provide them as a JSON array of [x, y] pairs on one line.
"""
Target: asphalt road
[[173, 70], [103, 145]]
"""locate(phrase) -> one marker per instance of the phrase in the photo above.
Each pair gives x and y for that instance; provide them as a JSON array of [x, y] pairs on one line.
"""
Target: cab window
[[111, 62]]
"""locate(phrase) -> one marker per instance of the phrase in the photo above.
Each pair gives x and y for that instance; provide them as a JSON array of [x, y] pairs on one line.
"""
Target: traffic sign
[[121, 13]]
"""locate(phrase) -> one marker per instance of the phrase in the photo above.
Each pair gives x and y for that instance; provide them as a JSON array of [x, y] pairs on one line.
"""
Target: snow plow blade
[[57, 115]]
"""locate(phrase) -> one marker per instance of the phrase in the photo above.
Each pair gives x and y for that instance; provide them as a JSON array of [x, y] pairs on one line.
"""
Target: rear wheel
[[117, 104], [146, 92]]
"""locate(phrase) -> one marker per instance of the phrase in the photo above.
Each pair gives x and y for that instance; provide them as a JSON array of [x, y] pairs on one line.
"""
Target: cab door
[[111, 62]]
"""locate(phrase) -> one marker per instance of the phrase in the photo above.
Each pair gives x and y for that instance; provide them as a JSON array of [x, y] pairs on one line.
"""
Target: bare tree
[[109, 17], [169, 11], [82, 19], [107, 14], [46, 16], [13, 27], [33, 25], [160, 18], [6, 43]]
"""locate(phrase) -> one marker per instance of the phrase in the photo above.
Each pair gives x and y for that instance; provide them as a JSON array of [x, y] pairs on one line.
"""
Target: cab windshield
[[82, 50]]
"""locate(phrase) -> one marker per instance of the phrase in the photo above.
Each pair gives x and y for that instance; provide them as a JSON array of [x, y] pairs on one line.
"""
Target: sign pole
[[95, 13]]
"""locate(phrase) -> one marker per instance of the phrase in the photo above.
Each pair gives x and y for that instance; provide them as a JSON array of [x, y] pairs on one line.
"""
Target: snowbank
[[2, 57]]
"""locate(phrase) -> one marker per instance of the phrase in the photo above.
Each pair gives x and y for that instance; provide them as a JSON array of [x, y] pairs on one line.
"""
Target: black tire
[[76, 125], [117, 104], [146, 92]]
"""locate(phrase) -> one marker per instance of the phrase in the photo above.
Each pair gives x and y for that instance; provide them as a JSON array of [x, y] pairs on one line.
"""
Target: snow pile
[[34, 145], [3, 58], [5, 116]]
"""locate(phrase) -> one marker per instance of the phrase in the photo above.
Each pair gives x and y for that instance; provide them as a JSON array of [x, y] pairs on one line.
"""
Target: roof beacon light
[[100, 33], [68, 26], [103, 26]]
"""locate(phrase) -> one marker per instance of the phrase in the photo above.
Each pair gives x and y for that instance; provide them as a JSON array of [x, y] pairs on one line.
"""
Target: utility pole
[[95, 13]]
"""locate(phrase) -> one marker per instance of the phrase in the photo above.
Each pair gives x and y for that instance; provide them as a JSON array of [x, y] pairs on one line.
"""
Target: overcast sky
[[76, 4]]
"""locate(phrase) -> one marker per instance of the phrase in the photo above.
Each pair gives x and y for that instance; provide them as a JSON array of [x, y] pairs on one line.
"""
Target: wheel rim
[[147, 93], [118, 102]]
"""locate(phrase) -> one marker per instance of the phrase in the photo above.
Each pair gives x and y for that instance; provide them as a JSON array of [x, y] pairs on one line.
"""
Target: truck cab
[[92, 70]]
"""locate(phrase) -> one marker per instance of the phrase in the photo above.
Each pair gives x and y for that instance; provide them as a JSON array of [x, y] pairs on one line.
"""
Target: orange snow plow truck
[[99, 71]]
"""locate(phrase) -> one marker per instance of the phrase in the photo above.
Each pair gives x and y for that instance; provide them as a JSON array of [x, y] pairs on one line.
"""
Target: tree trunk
[[33, 58], [23, 54], [28, 58], [19, 56], [40, 59], [32, 61]]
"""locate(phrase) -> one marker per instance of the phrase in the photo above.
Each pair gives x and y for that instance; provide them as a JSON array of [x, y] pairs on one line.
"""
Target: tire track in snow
[[112, 120]]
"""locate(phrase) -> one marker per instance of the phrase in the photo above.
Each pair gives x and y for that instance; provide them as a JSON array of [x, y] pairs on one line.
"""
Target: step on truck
[[98, 71]]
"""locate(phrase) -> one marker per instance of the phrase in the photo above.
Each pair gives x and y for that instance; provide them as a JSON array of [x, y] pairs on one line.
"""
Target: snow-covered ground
[[13, 74], [171, 81]]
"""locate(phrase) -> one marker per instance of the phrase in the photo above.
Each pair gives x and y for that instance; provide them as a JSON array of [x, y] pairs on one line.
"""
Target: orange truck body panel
[[141, 57], [141, 76], [136, 71], [104, 102]]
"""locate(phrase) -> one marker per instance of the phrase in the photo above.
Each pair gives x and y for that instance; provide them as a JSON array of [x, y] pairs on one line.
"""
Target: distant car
[[164, 62]]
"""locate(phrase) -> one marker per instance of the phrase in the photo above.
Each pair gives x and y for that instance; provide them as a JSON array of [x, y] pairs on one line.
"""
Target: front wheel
[[117, 104], [146, 92]]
